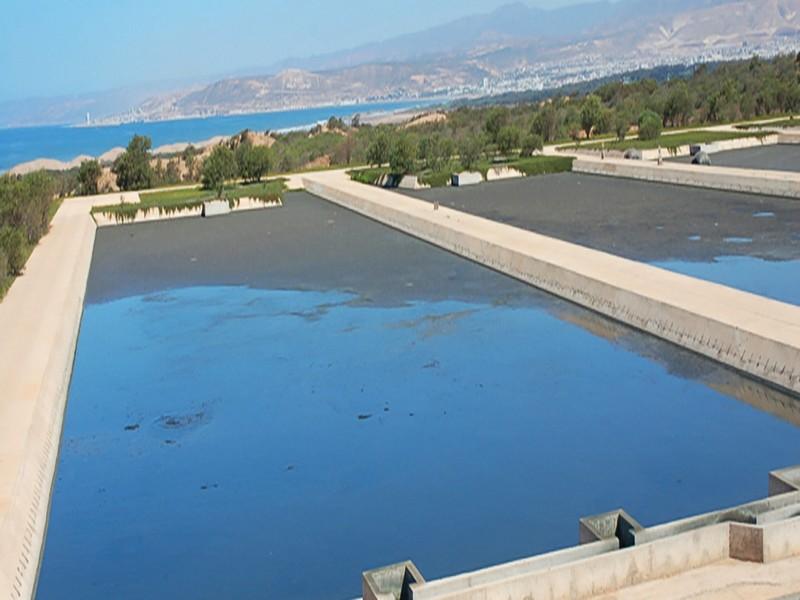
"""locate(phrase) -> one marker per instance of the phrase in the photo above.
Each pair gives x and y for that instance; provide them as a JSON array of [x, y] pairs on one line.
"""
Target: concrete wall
[[600, 574], [772, 183], [753, 334]]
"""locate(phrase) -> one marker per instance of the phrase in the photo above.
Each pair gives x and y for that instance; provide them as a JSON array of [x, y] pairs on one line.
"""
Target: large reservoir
[[265, 405]]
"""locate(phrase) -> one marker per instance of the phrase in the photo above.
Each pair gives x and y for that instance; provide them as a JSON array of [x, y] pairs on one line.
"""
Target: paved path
[[39, 321]]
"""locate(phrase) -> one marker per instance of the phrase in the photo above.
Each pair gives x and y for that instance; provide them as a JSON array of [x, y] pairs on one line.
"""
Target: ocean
[[19, 145]]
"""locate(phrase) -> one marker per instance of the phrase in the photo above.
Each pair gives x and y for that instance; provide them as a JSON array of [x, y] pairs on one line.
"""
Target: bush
[[650, 126]]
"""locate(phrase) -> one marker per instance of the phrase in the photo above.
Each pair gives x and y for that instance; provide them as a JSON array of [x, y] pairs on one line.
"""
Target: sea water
[[18, 145]]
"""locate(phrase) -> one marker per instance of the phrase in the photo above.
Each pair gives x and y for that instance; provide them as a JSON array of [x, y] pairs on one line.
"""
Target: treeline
[[26, 206], [707, 94]]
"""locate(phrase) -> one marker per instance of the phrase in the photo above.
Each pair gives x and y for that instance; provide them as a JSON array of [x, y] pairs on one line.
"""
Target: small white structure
[[497, 173], [214, 208], [466, 178], [411, 182]]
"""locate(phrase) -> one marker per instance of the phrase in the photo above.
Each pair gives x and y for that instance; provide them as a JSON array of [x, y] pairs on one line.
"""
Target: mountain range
[[513, 48]]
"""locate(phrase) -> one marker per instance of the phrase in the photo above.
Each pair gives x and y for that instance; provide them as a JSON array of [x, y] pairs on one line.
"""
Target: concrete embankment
[[750, 333], [39, 321], [772, 183]]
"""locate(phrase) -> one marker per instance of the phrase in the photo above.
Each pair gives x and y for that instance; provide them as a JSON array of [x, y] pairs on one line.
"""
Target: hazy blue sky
[[52, 47]]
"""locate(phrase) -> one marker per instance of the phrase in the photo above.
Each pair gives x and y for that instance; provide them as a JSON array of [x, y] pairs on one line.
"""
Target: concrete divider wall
[[772, 183], [520, 568], [604, 573], [753, 334]]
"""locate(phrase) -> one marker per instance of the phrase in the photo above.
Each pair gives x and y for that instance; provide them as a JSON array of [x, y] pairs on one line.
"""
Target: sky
[[64, 47]]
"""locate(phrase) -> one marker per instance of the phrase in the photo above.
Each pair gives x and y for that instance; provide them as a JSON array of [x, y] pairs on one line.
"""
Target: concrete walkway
[[750, 333], [39, 321]]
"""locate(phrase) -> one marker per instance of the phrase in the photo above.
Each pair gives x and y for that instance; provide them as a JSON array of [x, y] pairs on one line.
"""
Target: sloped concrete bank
[[752, 334], [770, 183], [40, 318]]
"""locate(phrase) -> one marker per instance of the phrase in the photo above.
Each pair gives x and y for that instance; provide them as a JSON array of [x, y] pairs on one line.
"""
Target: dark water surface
[[274, 440]]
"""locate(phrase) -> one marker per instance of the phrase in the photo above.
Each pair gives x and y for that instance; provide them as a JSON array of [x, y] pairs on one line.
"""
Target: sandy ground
[[782, 157], [635, 219]]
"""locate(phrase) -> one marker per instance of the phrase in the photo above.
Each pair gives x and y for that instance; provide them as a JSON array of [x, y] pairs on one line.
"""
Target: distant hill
[[515, 48]]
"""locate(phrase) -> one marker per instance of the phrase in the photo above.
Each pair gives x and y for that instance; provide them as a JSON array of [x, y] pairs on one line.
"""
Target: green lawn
[[176, 200], [675, 140], [535, 165]]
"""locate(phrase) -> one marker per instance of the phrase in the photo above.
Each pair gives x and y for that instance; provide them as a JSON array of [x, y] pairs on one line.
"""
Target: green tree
[[253, 162], [219, 167], [508, 139], [545, 123], [132, 167], [678, 106], [495, 121], [621, 125], [403, 155], [531, 144], [379, 149], [591, 113], [435, 151], [471, 151], [189, 157], [650, 126], [88, 177], [14, 246]]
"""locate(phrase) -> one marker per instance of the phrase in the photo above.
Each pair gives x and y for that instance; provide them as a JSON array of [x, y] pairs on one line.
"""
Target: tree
[[378, 150], [508, 139], [435, 151], [13, 246], [403, 155], [89, 175], [678, 105], [132, 167], [531, 144], [189, 159], [219, 167], [336, 123], [355, 122], [495, 121], [650, 126], [470, 151], [621, 125], [545, 123], [253, 162], [591, 113]]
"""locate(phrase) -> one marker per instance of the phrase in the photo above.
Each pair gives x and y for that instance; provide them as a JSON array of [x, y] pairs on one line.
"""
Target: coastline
[[373, 117]]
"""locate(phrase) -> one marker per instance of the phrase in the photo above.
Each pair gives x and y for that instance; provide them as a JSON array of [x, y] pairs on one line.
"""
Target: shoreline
[[375, 117]]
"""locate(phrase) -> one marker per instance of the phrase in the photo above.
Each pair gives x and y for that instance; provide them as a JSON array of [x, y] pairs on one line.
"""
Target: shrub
[[14, 248], [650, 126], [132, 167], [379, 149], [88, 176]]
